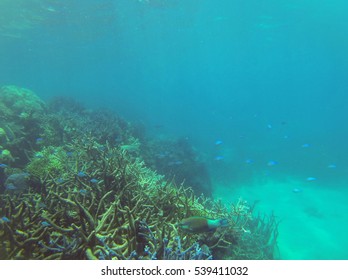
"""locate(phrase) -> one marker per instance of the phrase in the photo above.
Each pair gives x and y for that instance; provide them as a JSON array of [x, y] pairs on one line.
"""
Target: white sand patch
[[313, 221]]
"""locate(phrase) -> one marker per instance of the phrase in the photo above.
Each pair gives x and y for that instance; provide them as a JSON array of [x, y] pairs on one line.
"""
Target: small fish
[[45, 224], [60, 180], [3, 165], [311, 178], [269, 126], [39, 141], [69, 154], [198, 224], [296, 190], [81, 174], [161, 155], [94, 181], [249, 161], [218, 158], [83, 192], [177, 162], [331, 166], [218, 142], [10, 187], [272, 163], [5, 219], [306, 145]]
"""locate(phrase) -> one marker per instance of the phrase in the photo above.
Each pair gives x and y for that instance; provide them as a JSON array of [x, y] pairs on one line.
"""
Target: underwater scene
[[173, 129]]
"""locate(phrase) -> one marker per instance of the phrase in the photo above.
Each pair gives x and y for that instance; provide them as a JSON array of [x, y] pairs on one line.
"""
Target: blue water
[[267, 78]]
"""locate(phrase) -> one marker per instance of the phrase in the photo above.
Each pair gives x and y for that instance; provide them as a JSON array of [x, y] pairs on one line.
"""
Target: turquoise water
[[266, 78]]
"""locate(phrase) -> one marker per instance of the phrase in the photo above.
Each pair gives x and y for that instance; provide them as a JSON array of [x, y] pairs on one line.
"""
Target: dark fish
[[198, 224]]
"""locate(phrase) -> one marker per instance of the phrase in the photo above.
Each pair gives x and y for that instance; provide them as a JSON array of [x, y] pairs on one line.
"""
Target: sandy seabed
[[314, 218]]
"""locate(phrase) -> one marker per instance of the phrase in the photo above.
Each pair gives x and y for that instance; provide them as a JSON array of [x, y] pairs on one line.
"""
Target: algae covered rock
[[18, 182], [3, 135], [22, 113], [17, 102]]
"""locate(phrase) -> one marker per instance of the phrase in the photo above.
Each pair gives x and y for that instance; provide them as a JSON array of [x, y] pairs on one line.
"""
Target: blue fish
[[163, 154], [60, 180], [3, 165], [311, 178], [218, 142], [83, 192], [10, 187], [5, 219], [218, 158], [94, 181], [272, 163], [45, 224], [39, 141], [296, 190], [176, 162], [69, 154], [81, 174], [331, 166], [305, 145]]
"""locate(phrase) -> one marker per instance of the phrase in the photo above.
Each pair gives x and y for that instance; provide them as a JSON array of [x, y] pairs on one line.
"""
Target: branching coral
[[106, 204], [90, 195]]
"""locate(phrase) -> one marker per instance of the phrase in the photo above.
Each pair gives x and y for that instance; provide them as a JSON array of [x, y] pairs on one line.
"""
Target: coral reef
[[21, 113], [84, 191], [20, 103], [177, 160], [108, 205]]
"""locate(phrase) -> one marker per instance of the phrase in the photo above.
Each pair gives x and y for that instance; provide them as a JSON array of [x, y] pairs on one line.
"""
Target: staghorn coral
[[51, 160], [91, 196], [106, 204]]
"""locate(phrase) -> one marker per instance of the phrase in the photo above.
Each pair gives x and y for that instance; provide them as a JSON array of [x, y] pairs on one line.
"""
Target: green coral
[[48, 161], [19, 102], [6, 156]]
